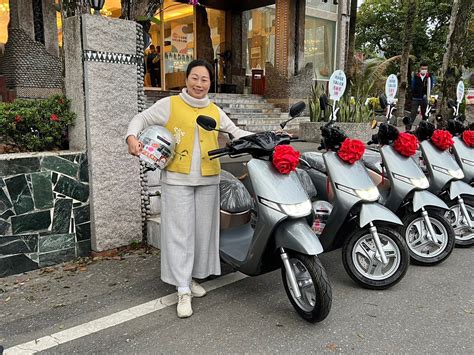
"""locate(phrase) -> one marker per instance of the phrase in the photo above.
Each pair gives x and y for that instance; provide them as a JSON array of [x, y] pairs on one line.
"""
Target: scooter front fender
[[376, 212], [295, 234], [459, 187], [426, 198]]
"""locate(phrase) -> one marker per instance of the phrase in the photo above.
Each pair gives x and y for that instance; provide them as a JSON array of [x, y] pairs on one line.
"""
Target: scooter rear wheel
[[422, 250], [361, 263], [315, 288], [464, 237]]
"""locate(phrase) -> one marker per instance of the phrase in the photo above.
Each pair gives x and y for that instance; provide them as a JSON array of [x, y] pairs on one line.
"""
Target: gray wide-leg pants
[[189, 233]]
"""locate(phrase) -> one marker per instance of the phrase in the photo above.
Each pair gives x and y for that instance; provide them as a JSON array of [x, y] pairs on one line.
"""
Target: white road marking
[[94, 326]]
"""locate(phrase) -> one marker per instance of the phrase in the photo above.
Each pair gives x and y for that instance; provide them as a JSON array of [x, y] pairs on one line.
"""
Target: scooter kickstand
[[378, 243], [290, 273]]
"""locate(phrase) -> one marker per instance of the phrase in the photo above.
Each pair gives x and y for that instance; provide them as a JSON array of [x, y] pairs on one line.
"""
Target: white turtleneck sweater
[[158, 114]]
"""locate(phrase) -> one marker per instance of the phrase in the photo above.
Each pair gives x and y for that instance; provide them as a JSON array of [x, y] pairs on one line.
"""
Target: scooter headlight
[[457, 174], [370, 194], [293, 210], [421, 182]]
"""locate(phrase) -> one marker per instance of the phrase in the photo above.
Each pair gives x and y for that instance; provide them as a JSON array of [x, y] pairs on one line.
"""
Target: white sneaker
[[184, 305], [196, 289]]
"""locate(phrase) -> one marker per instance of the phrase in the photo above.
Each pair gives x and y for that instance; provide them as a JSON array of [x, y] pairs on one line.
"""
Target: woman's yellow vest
[[182, 124]]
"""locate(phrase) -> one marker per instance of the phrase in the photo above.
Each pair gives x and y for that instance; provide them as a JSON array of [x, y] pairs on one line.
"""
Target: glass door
[[178, 43]]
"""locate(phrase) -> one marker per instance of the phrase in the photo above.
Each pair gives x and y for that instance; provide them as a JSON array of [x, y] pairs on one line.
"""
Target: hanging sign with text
[[391, 87], [337, 85]]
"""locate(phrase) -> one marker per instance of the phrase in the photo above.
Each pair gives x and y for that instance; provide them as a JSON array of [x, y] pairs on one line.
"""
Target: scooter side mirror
[[323, 102], [297, 109], [209, 124], [383, 101], [206, 122]]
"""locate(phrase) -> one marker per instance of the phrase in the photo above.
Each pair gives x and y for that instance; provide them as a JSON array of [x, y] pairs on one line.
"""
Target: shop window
[[259, 27], [319, 43], [320, 5], [178, 42]]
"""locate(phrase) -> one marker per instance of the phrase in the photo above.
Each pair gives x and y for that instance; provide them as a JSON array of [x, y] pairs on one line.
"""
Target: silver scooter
[[403, 186], [464, 156], [281, 237], [373, 252], [445, 177]]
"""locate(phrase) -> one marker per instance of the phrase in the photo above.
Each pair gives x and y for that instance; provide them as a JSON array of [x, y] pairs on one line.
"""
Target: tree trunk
[[407, 45], [453, 59], [351, 50]]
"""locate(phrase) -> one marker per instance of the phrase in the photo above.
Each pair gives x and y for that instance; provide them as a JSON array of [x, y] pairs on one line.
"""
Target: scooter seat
[[233, 195], [315, 160]]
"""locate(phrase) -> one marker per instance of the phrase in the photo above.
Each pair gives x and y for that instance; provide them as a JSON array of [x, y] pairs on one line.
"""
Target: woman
[[190, 184]]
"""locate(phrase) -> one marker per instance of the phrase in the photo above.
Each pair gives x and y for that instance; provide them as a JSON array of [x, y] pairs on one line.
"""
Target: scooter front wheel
[[363, 263], [463, 235], [316, 293], [423, 250]]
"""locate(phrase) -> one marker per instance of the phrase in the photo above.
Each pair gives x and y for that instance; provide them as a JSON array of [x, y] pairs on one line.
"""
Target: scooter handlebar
[[218, 151]]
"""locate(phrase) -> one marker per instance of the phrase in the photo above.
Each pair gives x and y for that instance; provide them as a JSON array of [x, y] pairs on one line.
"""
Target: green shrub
[[36, 125]]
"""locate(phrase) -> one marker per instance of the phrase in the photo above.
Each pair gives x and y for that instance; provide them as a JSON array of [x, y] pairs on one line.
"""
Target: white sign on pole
[[337, 85], [460, 91], [391, 87]]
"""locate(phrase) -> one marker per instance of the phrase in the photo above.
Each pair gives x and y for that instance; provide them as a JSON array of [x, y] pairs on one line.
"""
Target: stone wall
[[44, 210], [29, 68]]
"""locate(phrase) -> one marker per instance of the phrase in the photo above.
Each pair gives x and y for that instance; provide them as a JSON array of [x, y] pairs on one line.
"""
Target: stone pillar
[[101, 81], [288, 81], [50, 28], [234, 43]]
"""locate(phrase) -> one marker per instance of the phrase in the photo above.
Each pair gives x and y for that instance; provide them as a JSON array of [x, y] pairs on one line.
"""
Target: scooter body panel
[[425, 198], [465, 158], [437, 161], [275, 187], [292, 234], [268, 183], [399, 167], [370, 212], [459, 187]]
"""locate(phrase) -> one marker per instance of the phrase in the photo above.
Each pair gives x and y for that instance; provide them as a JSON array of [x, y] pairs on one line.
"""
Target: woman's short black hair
[[200, 63]]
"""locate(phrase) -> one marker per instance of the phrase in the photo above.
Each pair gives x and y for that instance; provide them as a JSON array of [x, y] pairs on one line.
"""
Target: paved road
[[431, 310]]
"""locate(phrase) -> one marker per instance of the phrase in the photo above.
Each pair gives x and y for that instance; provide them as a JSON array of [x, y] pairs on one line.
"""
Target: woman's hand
[[134, 145]]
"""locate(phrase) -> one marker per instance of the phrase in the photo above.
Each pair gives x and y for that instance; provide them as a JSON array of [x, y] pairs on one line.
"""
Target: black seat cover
[[234, 196]]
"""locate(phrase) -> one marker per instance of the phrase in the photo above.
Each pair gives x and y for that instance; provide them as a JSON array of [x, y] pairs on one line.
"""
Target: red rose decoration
[[468, 138], [351, 150], [18, 118], [406, 144], [442, 139], [285, 158], [54, 117]]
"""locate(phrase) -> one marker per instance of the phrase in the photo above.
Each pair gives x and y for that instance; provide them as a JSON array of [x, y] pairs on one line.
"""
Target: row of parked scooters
[[383, 210]]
